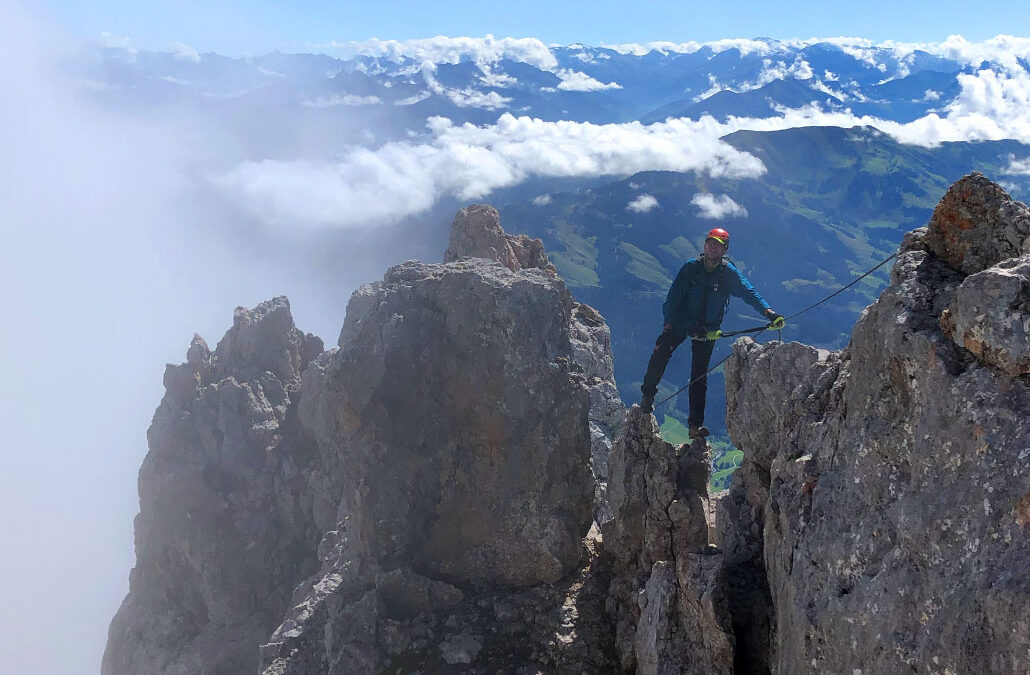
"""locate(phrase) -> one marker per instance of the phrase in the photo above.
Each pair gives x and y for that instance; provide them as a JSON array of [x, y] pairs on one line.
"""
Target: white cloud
[[819, 85], [857, 48], [636, 49], [184, 52], [1019, 167], [931, 95], [272, 73], [346, 99], [800, 70], [371, 187], [374, 69], [992, 94], [717, 207], [643, 204], [1005, 50], [129, 256], [541, 200], [770, 72], [470, 98], [991, 106], [994, 109], [746, 47], [854, 90], [176, 80], [119, 42], [463, 98], [714, 87], [442, 49], [492, 79], [572, 80], [414, 98]]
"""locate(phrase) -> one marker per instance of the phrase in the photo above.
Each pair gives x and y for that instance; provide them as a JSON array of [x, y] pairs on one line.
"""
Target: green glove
[[776, 322], [713, 335]]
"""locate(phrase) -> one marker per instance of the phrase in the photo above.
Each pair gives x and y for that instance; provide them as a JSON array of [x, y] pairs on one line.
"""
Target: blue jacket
[[698, 298]]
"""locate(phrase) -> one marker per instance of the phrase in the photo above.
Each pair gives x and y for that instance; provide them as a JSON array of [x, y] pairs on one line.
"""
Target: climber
[[694, 308]]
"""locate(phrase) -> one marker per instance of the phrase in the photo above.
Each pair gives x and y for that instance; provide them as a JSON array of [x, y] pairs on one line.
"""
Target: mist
[[115, 251], [134, 214]]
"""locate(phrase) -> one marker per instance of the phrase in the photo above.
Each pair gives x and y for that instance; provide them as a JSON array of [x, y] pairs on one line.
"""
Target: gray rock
[[463, 350], [460, 648], [476, 233], [429, 484], [704, 610], [668, 586], [435, 466], [990, 316], [657, 643], [225, 529], [977, 225], [405, 594], [455, 440], [330, 624], [641, 485], [892, 537]]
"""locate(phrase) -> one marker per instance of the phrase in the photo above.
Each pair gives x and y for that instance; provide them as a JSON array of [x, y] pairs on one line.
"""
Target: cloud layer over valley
[[371, 187], [113, 254], [374, 186], [459, 118], [144, 195]]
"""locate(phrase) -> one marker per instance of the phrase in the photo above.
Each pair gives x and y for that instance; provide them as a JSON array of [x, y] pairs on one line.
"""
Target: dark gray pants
[[700, 358]]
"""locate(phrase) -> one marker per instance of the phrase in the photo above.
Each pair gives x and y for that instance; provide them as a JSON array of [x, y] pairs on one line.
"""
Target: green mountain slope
[[832, 204]]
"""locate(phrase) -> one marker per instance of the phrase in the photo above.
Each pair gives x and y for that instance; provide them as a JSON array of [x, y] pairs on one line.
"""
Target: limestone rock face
[[418, 499], [225, 529], [426, 491], [668, 589], [990, 316], [758, 383], [353, 617], [455, 419], [476, 232], [461, 425], [977, 225], [592, 350], [897, 469]]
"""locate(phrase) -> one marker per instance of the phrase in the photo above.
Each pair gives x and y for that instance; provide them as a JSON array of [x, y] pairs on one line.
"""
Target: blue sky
[[235, 27]]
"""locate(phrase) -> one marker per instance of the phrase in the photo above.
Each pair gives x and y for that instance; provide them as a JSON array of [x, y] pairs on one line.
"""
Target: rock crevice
[[885, 485]]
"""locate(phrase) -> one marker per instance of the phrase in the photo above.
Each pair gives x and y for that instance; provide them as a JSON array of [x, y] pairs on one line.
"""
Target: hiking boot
[[647, 404], [697, 432]]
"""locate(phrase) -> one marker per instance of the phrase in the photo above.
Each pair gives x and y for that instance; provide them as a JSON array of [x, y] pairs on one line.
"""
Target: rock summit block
[[976, 225]]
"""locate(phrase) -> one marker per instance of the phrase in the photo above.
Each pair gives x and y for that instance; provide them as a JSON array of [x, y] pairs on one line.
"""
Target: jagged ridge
[[429, 483]]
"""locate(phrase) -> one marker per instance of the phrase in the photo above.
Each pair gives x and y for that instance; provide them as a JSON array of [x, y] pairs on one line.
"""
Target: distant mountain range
[[833, 203], [390, 95], [830, 203]]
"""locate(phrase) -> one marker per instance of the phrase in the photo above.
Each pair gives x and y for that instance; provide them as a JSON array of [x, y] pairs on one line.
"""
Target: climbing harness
[[758, 329]]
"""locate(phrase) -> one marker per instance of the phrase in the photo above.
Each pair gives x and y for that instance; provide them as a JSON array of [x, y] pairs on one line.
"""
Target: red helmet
[[718, 234]]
